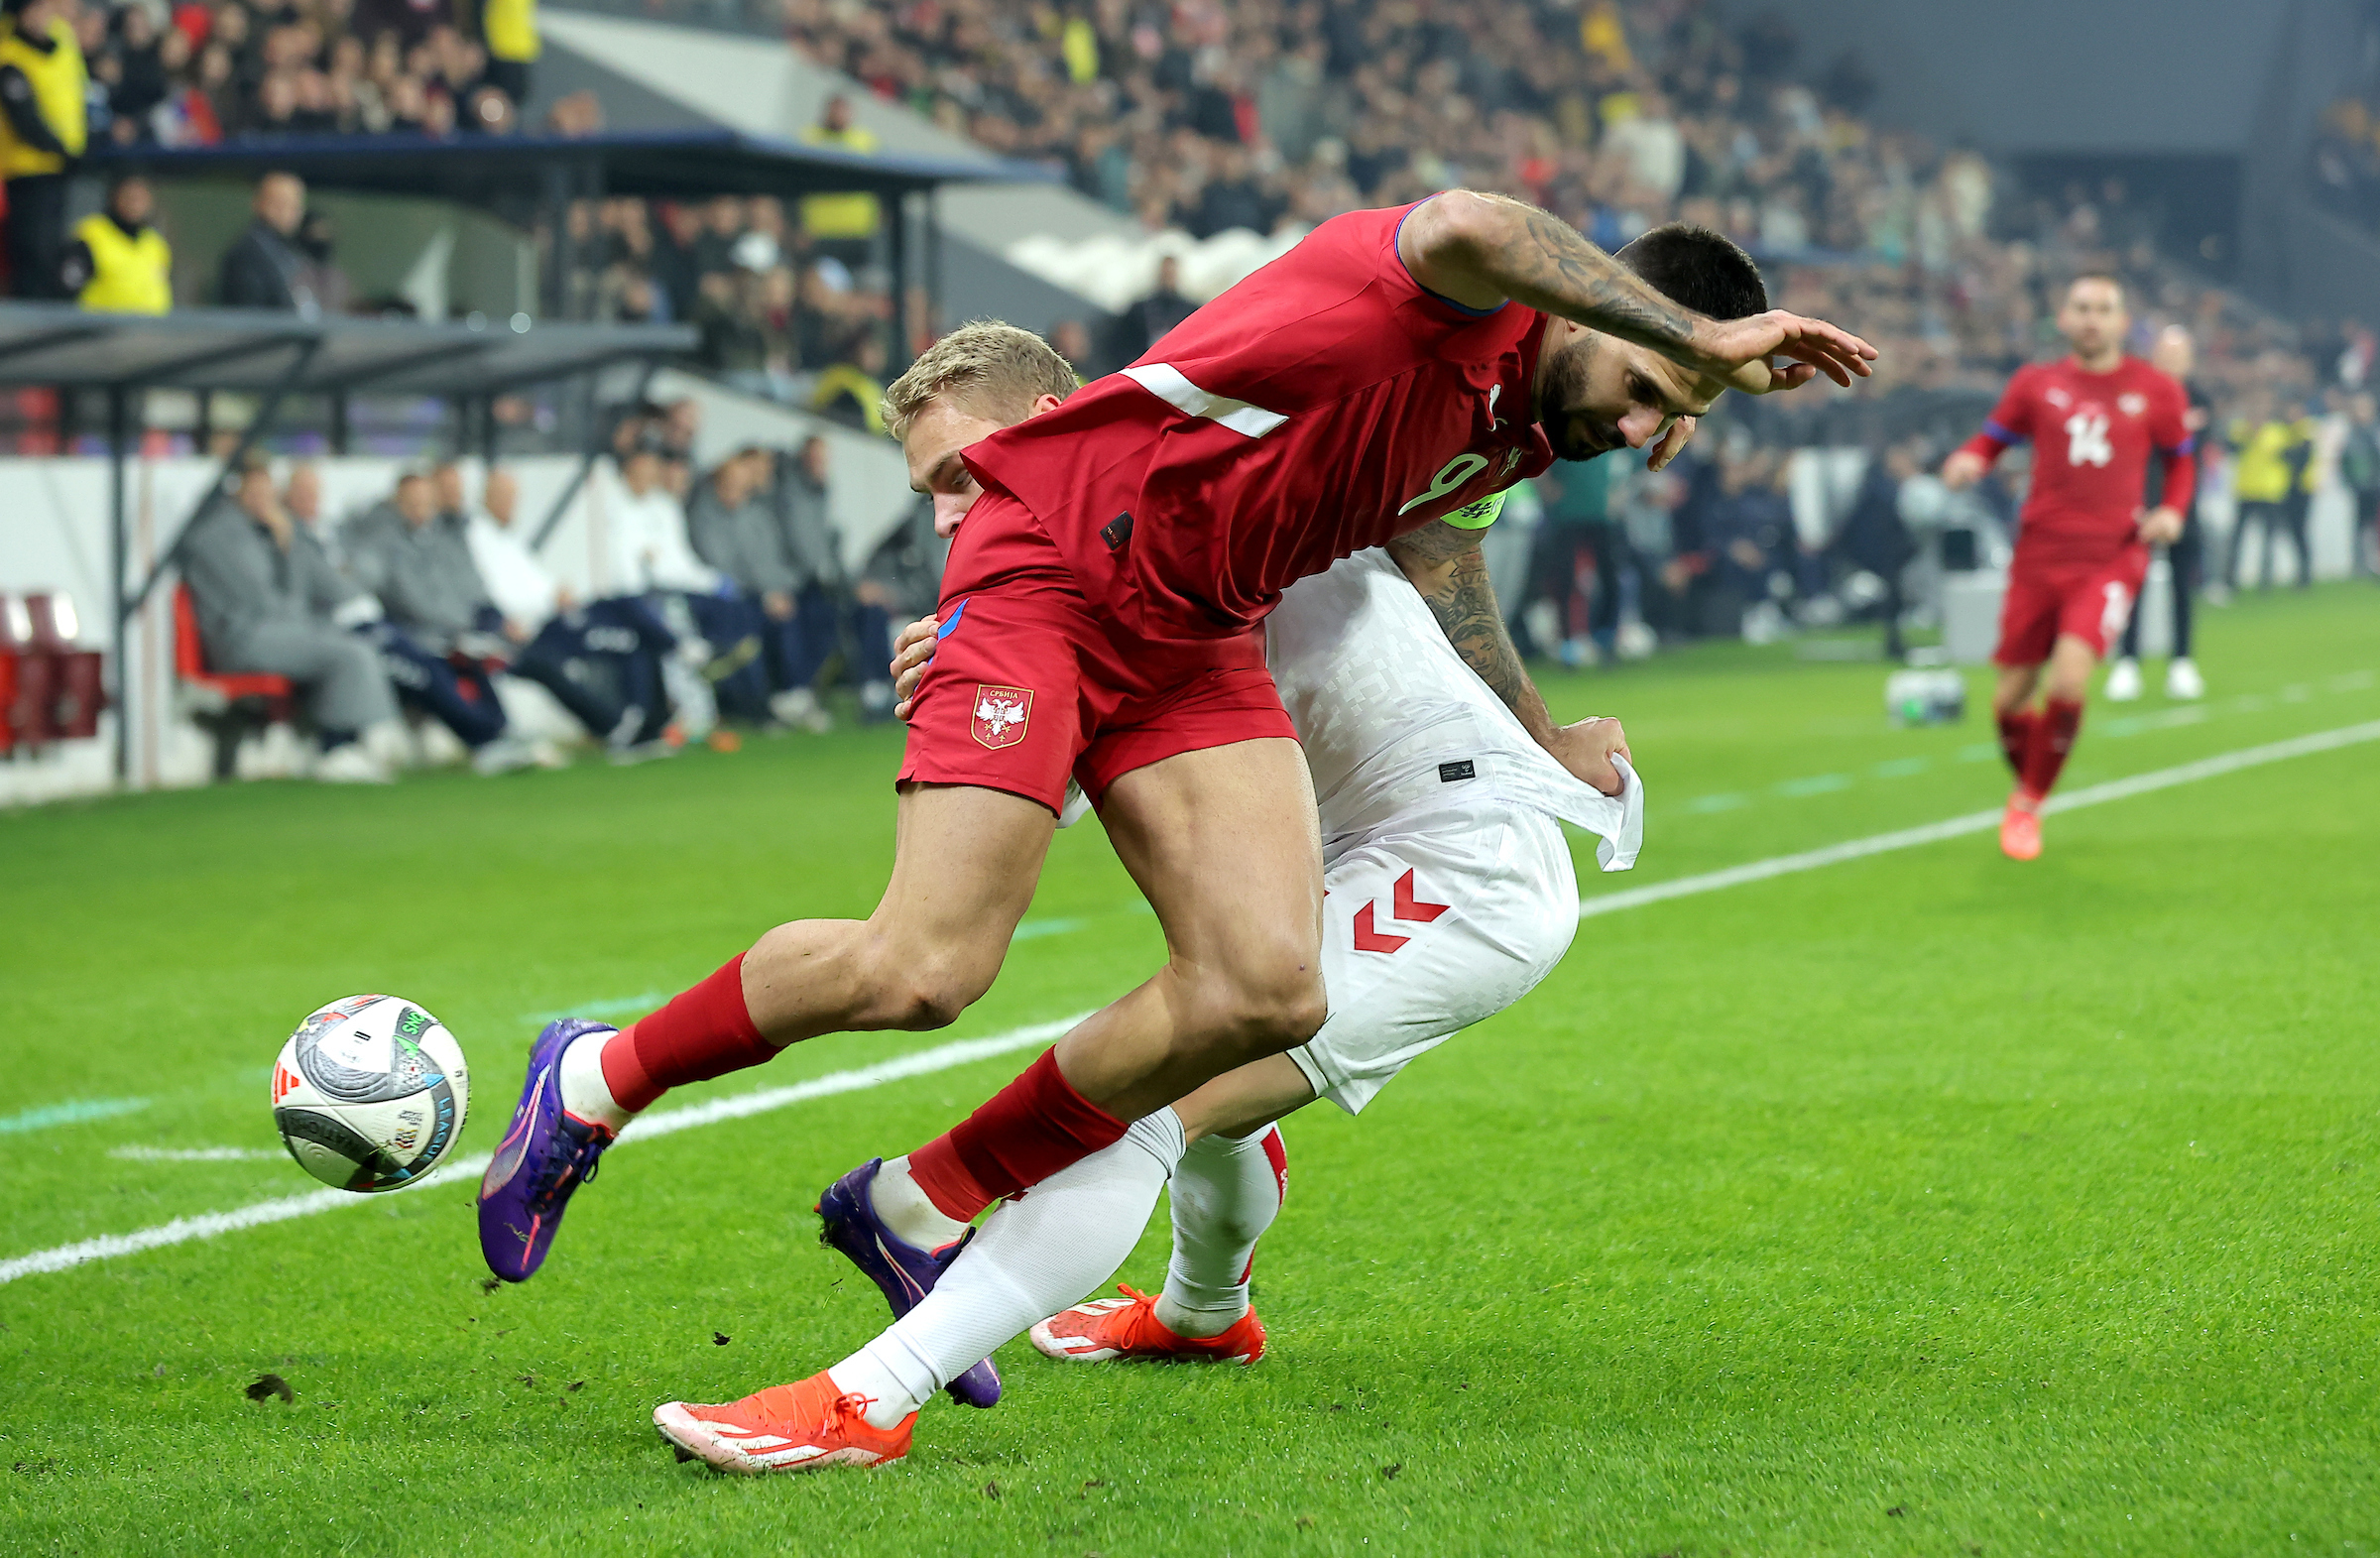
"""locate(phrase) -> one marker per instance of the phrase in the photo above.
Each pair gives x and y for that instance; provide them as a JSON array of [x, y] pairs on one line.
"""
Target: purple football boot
[[848, 1222], [544, 1155]]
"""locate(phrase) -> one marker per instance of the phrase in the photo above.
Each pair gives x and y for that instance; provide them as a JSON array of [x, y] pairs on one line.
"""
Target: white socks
[[1226, 1193], [1034, 1256], [907, 1209], [584, 1091]]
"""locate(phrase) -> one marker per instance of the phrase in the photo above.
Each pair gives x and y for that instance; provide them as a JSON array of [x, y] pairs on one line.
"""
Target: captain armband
[[1478, 515]]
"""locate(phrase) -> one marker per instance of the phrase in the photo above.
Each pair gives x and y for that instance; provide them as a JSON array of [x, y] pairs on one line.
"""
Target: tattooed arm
[[1444, 564], [1481, 249]]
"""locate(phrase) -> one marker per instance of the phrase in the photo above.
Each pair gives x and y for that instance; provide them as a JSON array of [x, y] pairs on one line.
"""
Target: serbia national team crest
[[1001, 714]]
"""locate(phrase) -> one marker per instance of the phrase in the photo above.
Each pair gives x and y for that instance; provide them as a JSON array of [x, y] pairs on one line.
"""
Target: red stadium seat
[[75, 688], [227, 705], [9, 662]]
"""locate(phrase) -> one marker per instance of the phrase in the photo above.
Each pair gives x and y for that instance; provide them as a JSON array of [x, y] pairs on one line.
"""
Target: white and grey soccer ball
[[370, 1093]]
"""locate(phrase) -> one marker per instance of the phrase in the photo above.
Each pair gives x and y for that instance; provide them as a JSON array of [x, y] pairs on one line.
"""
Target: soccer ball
[[370, 1093]]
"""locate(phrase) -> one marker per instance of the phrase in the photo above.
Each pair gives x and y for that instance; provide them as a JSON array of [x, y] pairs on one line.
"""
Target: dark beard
[[1566, 386]]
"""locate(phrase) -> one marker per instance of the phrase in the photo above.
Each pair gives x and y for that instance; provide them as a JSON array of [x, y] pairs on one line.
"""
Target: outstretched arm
[[1479, 250], [1444, 564]]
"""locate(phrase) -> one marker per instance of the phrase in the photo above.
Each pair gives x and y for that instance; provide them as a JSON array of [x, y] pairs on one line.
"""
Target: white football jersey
[[1393, 721]]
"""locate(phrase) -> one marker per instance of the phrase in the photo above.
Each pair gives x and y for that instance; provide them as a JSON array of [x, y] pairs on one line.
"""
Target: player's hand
[[1586, 748], [1963, 468], [912, 651], [1739, 352], [2161, 525], [1671, 444]]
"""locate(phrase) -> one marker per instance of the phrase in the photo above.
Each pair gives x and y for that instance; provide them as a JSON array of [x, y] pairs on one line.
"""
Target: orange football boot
[[1128, 1327], [795, 1428], [2020, 828]]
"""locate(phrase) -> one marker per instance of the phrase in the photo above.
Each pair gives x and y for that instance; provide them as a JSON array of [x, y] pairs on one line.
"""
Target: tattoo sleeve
[[1460, 597], [1543, 262]]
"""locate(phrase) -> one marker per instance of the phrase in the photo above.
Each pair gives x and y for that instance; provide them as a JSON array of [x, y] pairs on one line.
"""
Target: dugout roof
[[257, 350], [483, 169]]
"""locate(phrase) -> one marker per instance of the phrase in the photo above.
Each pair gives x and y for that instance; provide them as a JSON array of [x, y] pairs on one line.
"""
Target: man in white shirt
[[648, 554], [621, 635]]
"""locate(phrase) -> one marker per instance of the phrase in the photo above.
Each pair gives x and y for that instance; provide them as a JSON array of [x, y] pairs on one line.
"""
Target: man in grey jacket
[[268, 599], [798, 494], [422, 570], [436, 650], [733, 527]]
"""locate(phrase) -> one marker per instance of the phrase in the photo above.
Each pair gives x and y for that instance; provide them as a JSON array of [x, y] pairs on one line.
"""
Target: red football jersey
[[1325, 404], [2091, 433]]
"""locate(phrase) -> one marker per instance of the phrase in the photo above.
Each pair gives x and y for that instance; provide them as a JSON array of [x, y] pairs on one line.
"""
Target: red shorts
[[2090, 601], [1027, 687]]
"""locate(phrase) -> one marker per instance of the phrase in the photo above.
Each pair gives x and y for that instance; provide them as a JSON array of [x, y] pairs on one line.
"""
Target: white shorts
[[1433, 922]]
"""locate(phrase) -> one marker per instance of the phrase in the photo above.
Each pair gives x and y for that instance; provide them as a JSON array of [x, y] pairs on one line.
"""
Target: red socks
[[2052, 737], [2016, 736], [705, 1033], [1025, 1132]]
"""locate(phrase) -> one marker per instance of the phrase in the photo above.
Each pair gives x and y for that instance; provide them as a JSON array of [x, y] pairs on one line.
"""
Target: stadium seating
[[49, 690]]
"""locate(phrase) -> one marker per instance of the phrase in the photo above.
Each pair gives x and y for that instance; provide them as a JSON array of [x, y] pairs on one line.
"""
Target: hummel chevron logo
[[1404, 904], [1408, 906]]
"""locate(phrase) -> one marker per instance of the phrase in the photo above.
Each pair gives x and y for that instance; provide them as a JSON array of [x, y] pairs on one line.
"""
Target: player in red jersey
[[2083, 543], [1099, 619]]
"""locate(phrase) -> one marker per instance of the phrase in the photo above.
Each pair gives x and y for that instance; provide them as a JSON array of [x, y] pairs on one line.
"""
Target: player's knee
[[1266, 1005], [934, 992], [919, 988]]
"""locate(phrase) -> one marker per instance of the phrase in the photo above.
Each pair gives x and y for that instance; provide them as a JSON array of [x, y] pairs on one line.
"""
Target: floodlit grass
[[1926, 1204]]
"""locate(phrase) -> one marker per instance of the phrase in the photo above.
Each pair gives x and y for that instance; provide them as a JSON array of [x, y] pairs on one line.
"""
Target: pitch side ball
[[370, 1093]]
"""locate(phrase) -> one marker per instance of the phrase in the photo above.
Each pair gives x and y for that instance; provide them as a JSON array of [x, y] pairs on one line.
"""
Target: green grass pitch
[[1922, 1204]]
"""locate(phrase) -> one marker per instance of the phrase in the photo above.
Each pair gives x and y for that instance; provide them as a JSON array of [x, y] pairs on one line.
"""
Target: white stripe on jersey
[[1166, 382]]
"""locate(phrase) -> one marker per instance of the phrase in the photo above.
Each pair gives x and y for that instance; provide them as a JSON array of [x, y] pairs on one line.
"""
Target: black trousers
[[2276, 520], [2187, 558], [36, 235]]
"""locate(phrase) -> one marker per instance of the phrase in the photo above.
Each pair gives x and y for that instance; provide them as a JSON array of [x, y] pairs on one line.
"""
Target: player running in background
[[2083, 543], [1098, 621], [1451, 896]]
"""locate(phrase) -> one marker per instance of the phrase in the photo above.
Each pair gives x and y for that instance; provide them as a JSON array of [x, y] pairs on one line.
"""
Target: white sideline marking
[[198, 1154], [942, 1057], [1978, 821], [183, 1229]]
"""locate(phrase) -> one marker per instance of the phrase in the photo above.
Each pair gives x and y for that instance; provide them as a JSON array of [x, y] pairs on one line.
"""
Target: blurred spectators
[[419, 568], [118, 261], [426, 571], [1071, 339], [2359, 470], [269, 600], [1571, 603], [901, 582], [1147, 321], [2273, 481], [734, 528], [843, 226], [44, 126], [1874, 541], [268, 267]]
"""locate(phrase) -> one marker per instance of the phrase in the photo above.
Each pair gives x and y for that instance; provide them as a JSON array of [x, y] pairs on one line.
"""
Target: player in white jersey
[[1450, 894]]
